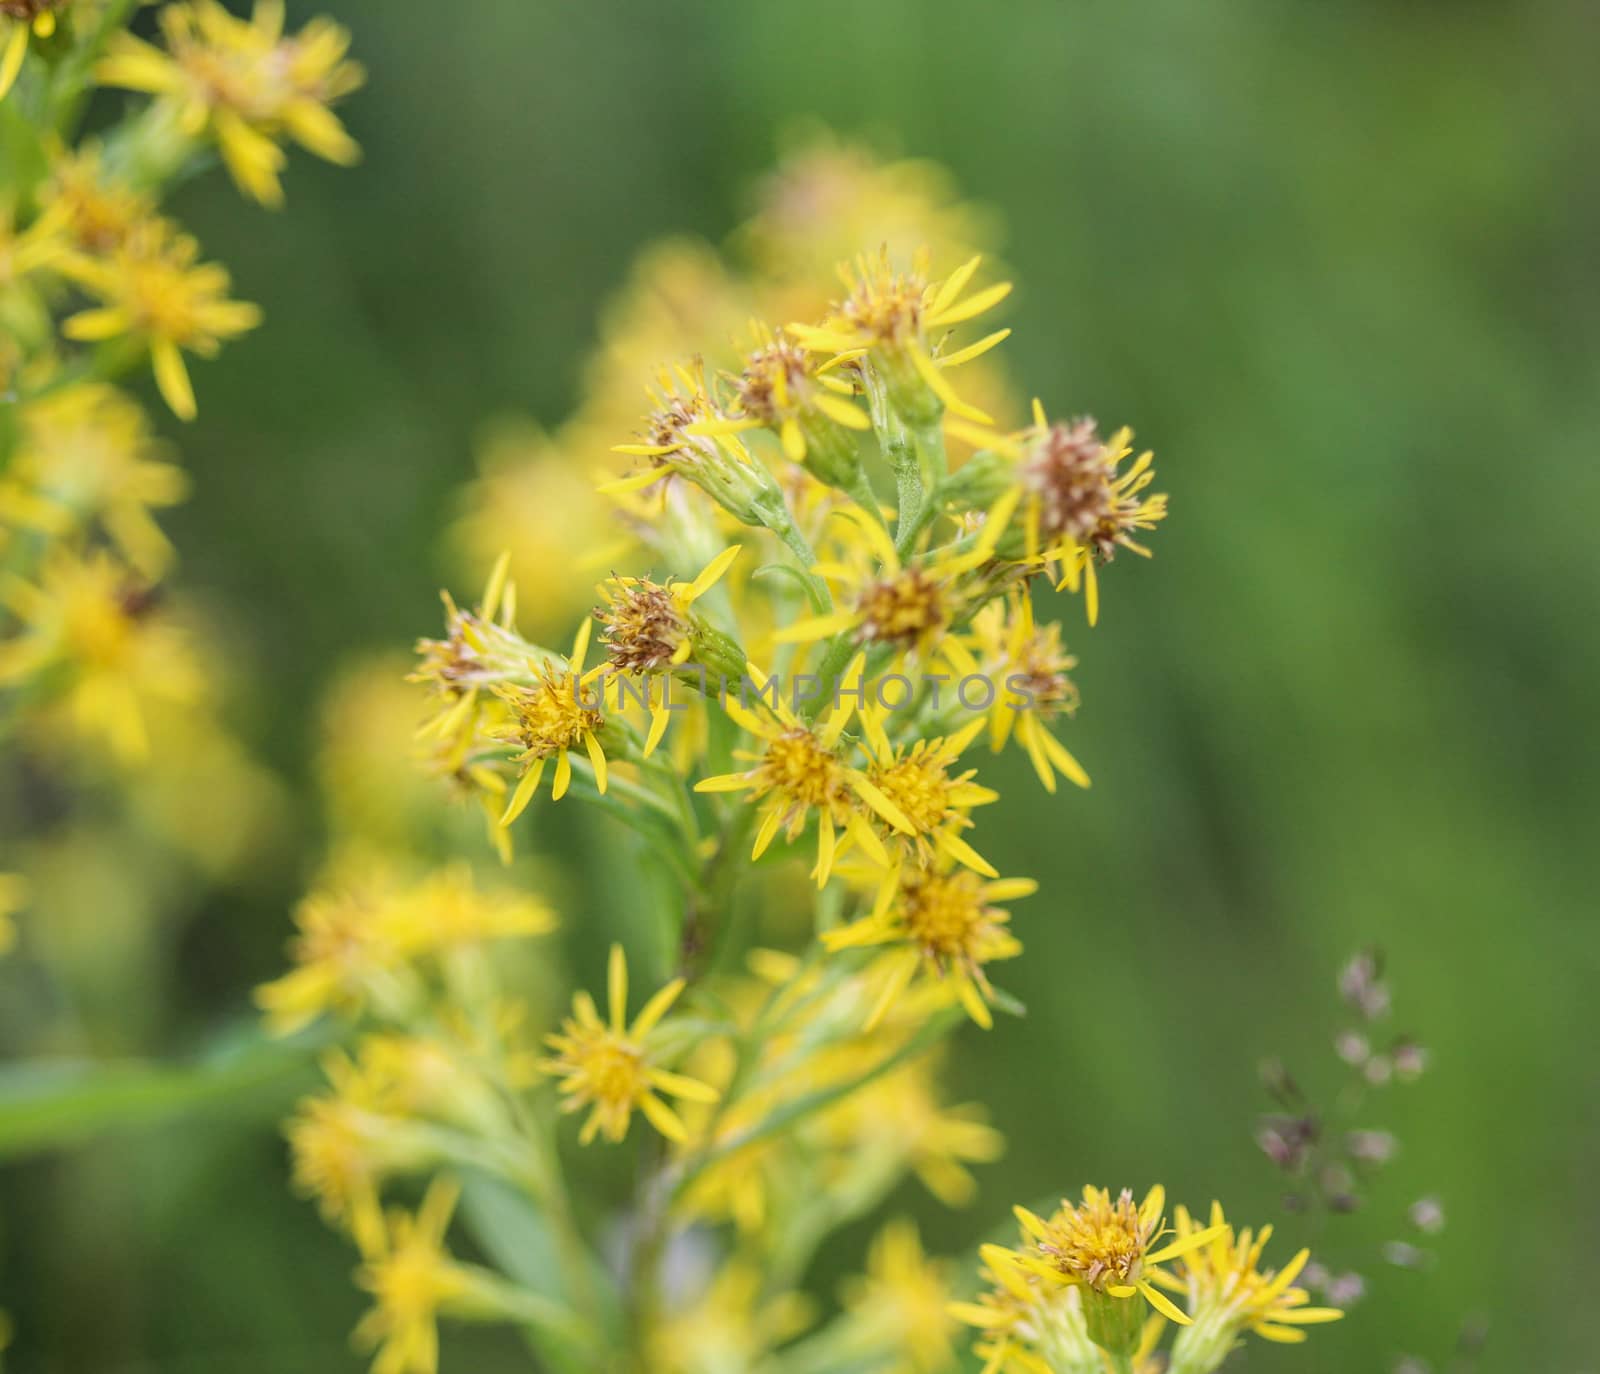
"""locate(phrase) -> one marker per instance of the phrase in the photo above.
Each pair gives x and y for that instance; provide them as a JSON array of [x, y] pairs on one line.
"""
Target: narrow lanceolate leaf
[[49, 1104]]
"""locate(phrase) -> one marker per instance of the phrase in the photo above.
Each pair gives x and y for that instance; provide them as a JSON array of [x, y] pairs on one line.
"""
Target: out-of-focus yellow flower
[[346, 944], [943, 925], [86, 453], [901, 1304], [156, 292], [13, 897], [411, 1277], [356, 935], [336, 1149], [246, 83], [1229, 1293], [1111, 1250], [20, 19], [802, 770], [95, 211], [95, 626], [827, 197], [730, 1327], [609, 1067]]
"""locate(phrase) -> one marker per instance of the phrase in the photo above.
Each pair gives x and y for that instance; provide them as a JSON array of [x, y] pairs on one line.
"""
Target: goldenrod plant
[[815, 603], [111, 681]]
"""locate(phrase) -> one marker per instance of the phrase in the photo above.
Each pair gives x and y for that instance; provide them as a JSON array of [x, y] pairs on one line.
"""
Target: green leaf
[[49, 1104]]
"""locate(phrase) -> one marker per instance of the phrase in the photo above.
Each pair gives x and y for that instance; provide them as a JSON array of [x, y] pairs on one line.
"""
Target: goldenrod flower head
[[730, 1327], [801, 771], [946, 929], [917, 778], [412, 1278], [902, 1303], [1229, 1293], [98, 626], [156, 291], [22, 18], [97, 212], [650, 626], [86, 453], [447, 910], [1033, 665], [802, 399], [246, 83], [609, 1066], [1012, 1315], [1078, 505], [1111, 1249], [347, 940], [337, 1153], [909, 606], [550, 719], [896, 317]]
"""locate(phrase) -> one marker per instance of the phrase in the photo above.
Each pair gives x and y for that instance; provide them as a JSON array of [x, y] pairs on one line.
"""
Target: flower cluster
[[819, 587]]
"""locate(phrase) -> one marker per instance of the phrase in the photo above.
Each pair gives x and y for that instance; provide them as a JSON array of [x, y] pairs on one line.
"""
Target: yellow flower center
[[887, 304], [612, 1070], [902, 609], [945, 915], [800, 769], [919, 786], [1099, 1242], [775, 382], [550, 716]]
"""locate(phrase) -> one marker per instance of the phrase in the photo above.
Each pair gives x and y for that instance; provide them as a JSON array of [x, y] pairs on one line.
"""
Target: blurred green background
[[1335, 261]]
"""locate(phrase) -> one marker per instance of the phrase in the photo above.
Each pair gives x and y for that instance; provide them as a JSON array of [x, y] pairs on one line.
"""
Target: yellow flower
[[20, 19], [98, 626], [649, 627], [944, 927], [785, 389], [155, 292], [412, 1278], [336, 1152], [609, 1066], [897, 319], [1029, 666], [1009, 1315], [1077, 508], [97, 212], [246, 83], [902, 1303], [446, 910], [346, 943], [549, 720], [86, 453], [683, 436], [1229, 1294], [918, 780], [730, 1327], [1111, 1249], [13, 897], [910, 607], [802, 770]]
